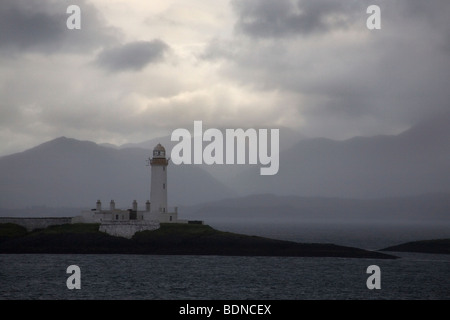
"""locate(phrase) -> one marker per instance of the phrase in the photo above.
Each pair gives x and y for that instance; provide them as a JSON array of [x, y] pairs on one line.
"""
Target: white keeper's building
[[156, 208]]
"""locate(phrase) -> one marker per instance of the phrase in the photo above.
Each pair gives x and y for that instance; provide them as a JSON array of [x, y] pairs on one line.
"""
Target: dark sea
[[132, 277]]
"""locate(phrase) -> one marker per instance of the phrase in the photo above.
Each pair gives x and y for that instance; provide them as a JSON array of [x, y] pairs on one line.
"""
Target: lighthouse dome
[[159, 151]]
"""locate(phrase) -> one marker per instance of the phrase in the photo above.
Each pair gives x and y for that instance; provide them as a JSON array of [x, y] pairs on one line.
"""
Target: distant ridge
[[66, 172], [69, 173], [414, 162]]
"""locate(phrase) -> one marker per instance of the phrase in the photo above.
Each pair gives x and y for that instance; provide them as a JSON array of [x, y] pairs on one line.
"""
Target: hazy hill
[[414, 162], [71, 173]]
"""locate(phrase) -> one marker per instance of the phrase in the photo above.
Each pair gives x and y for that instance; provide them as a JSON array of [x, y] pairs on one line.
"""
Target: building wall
[[162, 217], [127, 229], [106, 215], [91, 217], [36, 223]]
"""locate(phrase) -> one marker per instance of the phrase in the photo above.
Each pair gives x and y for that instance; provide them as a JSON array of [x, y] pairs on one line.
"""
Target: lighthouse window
[[164, 185], [164, 168]]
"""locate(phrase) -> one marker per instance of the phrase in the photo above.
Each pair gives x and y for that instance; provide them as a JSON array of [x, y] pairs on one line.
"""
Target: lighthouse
[[158, 191], [155, 212]]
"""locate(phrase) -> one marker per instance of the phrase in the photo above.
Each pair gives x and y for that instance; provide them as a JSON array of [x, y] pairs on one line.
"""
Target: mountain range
[[417, 161], [69, 173], [66, 172]]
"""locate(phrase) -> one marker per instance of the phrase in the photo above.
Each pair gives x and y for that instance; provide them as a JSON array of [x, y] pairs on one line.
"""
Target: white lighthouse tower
[[158, 192], [156, 211]]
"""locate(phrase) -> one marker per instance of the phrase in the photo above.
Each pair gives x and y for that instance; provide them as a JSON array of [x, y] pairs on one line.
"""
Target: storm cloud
[[347, 80], [141, 69], [40, 26], [132, 56], [266, 18]]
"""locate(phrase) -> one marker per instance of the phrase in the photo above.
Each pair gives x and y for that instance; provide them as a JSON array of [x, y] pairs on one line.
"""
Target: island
[[438, 246], [169, 239]]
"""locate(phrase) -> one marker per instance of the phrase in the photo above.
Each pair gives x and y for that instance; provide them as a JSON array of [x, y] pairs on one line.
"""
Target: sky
[[137, 69]]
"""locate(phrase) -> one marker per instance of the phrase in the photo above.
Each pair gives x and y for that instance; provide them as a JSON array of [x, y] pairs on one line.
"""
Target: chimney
[[147, 206], [112, 205], [134, 205], [99, 206]]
